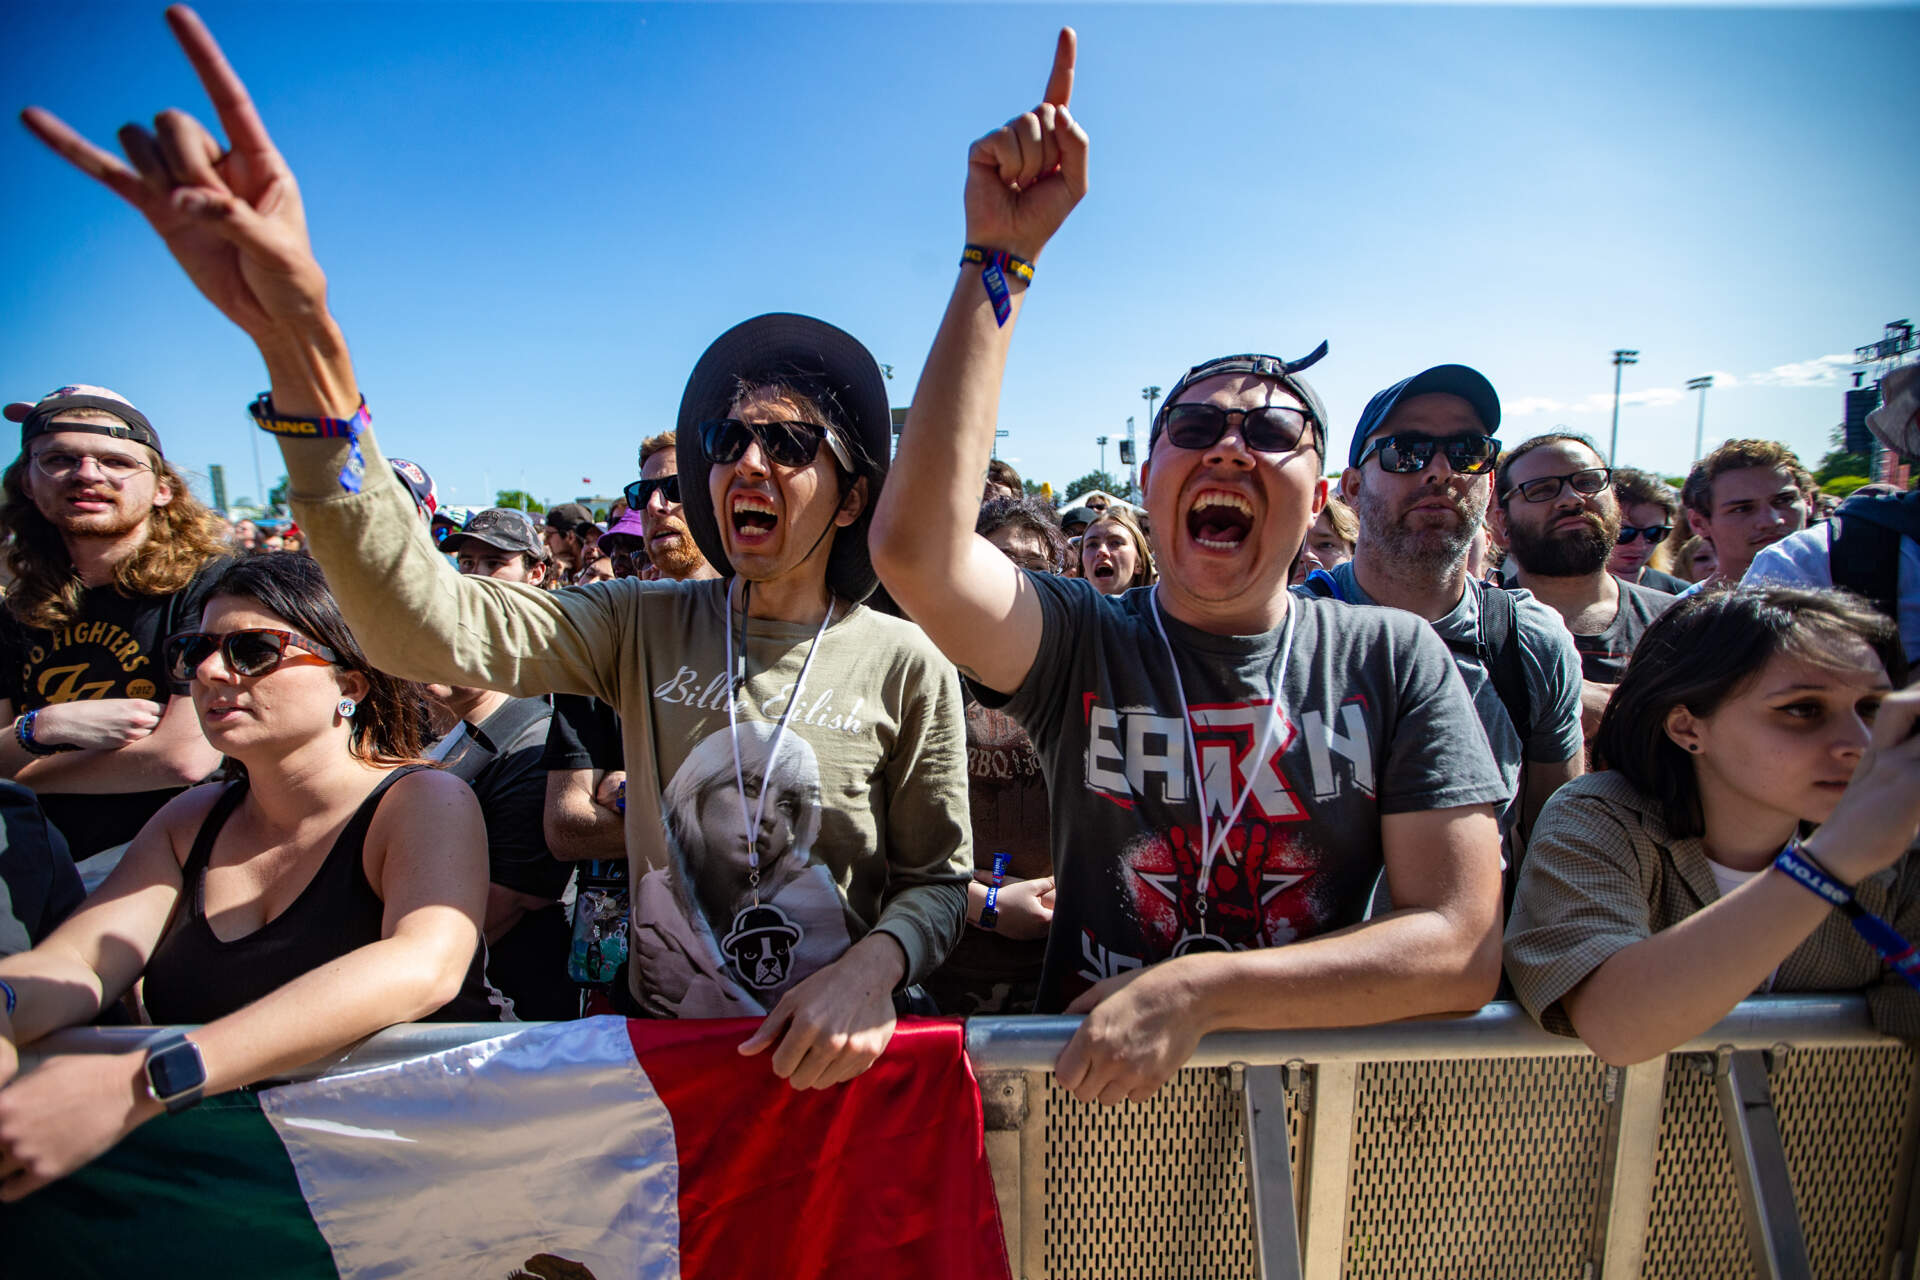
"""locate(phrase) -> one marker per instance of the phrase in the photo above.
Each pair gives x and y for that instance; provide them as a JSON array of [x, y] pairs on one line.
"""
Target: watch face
[[174, 1070]]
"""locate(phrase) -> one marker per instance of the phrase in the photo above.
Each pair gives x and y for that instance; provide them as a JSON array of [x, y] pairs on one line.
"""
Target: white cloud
[[1824, 372]]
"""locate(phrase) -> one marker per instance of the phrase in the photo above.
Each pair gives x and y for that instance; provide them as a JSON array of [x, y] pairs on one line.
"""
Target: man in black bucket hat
[[815, 747]]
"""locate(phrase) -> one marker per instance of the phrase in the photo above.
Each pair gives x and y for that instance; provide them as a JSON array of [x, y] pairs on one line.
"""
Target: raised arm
[[233, 220], [1022, 181]]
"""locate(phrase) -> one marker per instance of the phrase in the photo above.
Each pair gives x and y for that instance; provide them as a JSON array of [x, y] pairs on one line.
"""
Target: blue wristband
[[12, 999], [990, 914], [1900, 955], [353, 474]]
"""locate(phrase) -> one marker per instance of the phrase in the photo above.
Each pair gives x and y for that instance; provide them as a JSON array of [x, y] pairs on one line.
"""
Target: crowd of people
[[840, 733]]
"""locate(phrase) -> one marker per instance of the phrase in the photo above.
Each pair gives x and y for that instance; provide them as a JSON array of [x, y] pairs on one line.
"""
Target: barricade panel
[[1488, 1168]]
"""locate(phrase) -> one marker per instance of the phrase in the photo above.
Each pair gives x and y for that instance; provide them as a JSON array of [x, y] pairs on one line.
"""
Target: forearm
[[925, 921], [924, 521], [387, 982], [577, 829], [1667, 988], [175, 755], [56, 988], [1408, 963]]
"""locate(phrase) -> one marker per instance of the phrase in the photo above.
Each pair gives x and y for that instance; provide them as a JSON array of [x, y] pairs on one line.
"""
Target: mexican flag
[[567, 1151]]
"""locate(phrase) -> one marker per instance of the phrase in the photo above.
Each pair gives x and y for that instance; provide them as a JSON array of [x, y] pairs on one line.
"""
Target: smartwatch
[[175, 1074]]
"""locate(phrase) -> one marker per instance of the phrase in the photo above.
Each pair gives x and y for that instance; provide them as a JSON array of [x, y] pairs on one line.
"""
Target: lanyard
[[1212, 840], [773, 746]]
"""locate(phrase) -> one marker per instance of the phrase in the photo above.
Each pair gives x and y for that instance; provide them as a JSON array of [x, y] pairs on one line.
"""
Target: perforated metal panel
[[1487, 1168], [1842, 1117], [1154, 1190], [1842, 1114]]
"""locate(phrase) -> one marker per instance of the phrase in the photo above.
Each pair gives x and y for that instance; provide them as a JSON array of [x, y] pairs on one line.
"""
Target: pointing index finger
[[245, 132], [1060, 81]]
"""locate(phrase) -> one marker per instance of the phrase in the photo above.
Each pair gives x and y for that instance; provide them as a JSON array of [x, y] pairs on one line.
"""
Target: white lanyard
[[773, 746], [1213, 840]]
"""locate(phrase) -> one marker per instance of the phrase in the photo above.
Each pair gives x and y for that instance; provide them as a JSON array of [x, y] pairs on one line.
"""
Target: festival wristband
[[1900, 954], [23, 734], [348, 429], [6, 988], [990, 914], [995, 263]]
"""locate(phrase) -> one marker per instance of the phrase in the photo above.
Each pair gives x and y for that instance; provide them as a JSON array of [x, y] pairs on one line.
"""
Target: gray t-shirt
[[1553, 680], [1603, 657], [1374, 721]]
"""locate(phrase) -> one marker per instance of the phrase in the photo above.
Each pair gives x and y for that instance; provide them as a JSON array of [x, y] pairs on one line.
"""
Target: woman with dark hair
[[292, 912], [1658, 894]]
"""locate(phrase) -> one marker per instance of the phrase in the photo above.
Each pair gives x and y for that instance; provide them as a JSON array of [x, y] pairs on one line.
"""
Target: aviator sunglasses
[[252, 652], [1271, 428], [1654, 533], [640, 492], [790, 444], [1411, 452]]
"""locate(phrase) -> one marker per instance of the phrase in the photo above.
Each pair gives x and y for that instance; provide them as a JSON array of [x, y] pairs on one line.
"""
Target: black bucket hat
[[831, 369]]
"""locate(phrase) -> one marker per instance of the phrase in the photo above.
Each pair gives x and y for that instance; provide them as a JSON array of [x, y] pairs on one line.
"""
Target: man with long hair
[[110, 554]]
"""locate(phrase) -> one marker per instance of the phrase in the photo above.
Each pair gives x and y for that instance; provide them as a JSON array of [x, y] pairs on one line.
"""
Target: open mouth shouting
[[753, 518], [1219, 520]]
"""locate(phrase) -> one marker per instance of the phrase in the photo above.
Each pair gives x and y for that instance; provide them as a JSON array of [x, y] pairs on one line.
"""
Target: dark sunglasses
[[790, 444], [1654, 533], [1271, 428], [640, 492], [252, 652], [1411, 452], [1586, 483]]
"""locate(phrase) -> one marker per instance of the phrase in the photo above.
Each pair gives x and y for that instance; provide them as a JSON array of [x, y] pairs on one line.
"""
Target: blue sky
[[535, 217]]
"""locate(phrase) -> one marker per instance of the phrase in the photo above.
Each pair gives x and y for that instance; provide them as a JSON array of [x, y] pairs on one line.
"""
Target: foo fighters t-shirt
[[1372, 719], [112, 651]]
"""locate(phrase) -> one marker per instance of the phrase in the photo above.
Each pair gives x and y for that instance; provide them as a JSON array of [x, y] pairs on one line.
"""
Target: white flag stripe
[[547, 1141]]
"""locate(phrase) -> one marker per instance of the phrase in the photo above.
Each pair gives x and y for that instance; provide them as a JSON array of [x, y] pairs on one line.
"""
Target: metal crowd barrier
[[1781, 1143]]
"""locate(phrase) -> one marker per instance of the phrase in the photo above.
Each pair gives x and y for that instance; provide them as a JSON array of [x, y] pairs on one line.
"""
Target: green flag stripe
[[209, 1192]]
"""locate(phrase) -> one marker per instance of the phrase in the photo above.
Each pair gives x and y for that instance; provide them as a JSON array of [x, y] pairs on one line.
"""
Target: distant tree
[[1841, 486], [518, 500], [1037, 488], [277, 496], [1101, 480]]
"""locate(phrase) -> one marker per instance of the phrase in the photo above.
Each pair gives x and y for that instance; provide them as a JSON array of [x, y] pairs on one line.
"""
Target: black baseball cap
[[39, 417], [568, 517], [1450, 379], [501, 528], [1285, 372]]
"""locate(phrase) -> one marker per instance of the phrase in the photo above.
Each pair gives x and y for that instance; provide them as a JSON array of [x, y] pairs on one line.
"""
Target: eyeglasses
[[1654, 533], [253, 652], [1546, 488], [640, 492], [1411, 452], [791, 444], [117, 468], [1271, 428]]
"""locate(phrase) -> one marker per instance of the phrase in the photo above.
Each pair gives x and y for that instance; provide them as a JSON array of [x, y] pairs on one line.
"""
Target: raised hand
[[1877, 818], [1024, 178], [232, 218]]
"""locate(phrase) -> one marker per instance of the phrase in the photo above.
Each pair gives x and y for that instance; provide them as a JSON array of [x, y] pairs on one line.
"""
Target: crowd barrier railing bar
[[1282, 1154]]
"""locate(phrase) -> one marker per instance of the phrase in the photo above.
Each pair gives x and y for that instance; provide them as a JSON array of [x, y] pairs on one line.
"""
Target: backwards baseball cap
[[568, 516], [1281, 371], [419, 484], [1450, 379], [42, 416], [501, 528], [831, 369]]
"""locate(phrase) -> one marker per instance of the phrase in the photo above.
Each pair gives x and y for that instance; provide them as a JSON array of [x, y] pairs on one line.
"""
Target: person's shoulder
[[423, 785], [1801, 558], [884, 638], [1609, 793], [1542, 631], [1650, 601]]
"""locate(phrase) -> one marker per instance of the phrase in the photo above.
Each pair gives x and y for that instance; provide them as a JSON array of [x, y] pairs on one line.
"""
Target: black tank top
[[194, 977]]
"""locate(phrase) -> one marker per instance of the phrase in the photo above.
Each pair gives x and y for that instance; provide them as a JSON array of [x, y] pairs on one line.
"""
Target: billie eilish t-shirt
[[1374, 720]]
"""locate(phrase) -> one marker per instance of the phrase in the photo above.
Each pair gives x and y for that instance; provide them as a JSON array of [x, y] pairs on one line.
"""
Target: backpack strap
[[1865, 558], [1498, 650]]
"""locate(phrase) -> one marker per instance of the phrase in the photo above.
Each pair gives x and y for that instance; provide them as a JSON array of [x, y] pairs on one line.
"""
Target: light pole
[[1613, 445], [1149, 394], [1700, 384], [1102, 442]]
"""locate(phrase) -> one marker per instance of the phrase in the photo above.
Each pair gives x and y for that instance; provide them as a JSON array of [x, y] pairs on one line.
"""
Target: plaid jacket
[[1603, 871]]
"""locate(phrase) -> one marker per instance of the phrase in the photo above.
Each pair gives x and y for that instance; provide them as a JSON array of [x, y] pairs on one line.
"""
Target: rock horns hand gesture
[[231, 218], [1025, 177]]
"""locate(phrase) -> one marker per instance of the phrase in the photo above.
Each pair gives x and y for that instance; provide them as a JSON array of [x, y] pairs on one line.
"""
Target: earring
[[1693, 746], [346, 708]]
